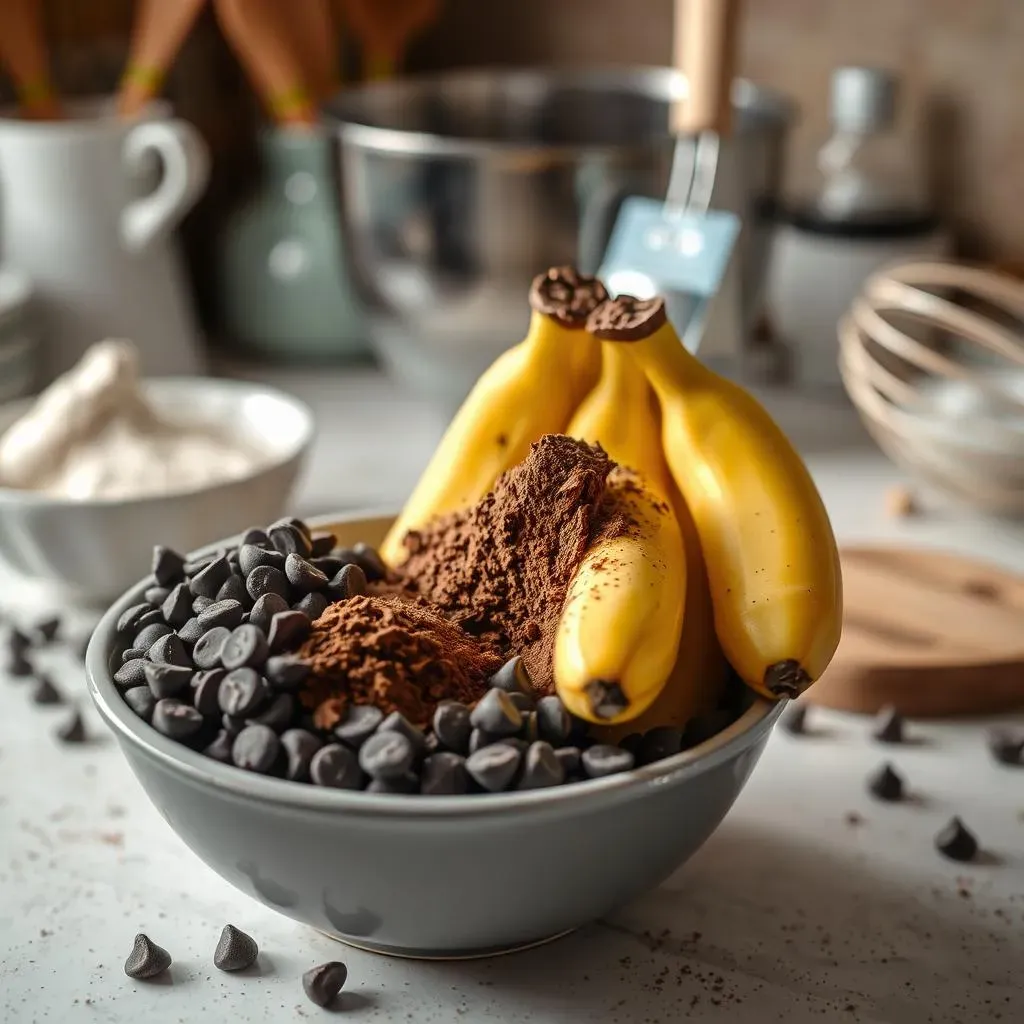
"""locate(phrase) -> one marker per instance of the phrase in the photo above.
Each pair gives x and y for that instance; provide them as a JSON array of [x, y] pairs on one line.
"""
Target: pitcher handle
[[186, 169]]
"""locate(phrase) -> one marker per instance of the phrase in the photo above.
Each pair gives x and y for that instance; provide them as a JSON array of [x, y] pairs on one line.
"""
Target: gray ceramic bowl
[[441, 876]]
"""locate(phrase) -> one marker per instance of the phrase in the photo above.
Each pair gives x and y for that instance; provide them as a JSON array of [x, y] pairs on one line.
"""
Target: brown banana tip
[[627, 318], [567, 296], [606, 699], [786, 678]]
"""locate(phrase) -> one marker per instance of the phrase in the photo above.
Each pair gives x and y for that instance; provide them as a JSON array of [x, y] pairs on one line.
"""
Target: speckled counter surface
[[812, 902]]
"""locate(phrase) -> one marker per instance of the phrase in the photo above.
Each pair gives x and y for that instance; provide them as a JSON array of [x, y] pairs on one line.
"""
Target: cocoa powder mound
[[399, 656], [501, 569]]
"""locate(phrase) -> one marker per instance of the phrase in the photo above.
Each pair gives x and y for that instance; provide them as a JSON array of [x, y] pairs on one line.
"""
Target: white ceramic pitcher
[[87, 209]]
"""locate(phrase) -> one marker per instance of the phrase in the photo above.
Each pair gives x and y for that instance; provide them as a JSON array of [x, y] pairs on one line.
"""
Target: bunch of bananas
[[728, 555]]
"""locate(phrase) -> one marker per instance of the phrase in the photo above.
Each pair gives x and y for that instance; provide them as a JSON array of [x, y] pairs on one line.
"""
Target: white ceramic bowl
[[97, 549]]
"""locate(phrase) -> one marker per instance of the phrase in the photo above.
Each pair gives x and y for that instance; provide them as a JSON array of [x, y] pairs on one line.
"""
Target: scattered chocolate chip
[[285, 671], [141, 700], [177, 607], [200, 604], [45, 630], [886, 784], [131, 673], [206, 653], [312, 606], [1007, 746], [220, 748], [153, 617], [232, 725], [265, 579], [541, 768], [444, 774], [168, 566], [251, 557], [206, 691], [512, 677], [166, 680], [397, 722], [210, 578], [243, 692], [321, 544], [496, 714], [658, 743], [256, 748], [287, 630], [888, 726], [452, 726], [18, 643], [299, 746], [570, 759], [246, 647], [225, 612], [169, 650], [359, 724], [235, 950], [278, 716], [254, 535], [478, 739], [19, 666], [386, 755], [553, 722], [73, 730], [794, 718], [336, 766], [956, 842], [148, 635], [128, 622], [603, 759], [494, 767], [146, 959], [233, 589], [370, 562], [264, 610], [407, 783], [303, 576], [524, 701], [132, 654], [322, 984], [191, 632], [156, 595], [289, 540], [176, 720], [350, 581], [45, 692]]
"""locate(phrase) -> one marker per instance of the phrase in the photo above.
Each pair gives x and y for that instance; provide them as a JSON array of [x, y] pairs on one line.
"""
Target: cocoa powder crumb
[[501, 569], [399, 656]]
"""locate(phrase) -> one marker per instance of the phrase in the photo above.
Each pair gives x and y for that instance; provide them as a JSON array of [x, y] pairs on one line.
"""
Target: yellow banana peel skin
[[618, 636], [771, 556]]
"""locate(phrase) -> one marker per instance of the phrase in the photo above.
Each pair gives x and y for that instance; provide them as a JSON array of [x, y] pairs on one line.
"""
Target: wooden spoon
[[23, 50], [158, 33], [385, 28], [317, 38]]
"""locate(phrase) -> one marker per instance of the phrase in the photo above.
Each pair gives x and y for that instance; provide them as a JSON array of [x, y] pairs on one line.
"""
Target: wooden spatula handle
[[704, 47]]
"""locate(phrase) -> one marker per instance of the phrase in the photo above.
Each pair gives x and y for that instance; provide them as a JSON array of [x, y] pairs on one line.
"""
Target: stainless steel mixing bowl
[[457, 189]]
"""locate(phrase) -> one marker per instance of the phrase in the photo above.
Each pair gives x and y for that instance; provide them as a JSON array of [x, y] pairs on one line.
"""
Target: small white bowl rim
[[175, 385], [205, 772]]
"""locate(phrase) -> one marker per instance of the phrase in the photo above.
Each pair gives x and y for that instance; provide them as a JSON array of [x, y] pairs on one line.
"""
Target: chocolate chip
[[553, 722], [512, 677], [195, 566], [168, 566], [956, 842], [128, 621], [444, 774], [233, 589], [515, 741], [206, 692], [251, 557], [220, 747], [452, 726], [278, 716], [496, 714], [660, 742], [541, 768], [227, 613], [886, 784], [289, 541], [322, 984], [232, 725], [169, 650], [45, 630], [312, 606], [235, 950], [358, 725], [350, 581], [407, 783], [256, 748], [208, 581], [303, 576], [45, 692], [478, 739], [156, 595], [494, 767], [73, 730], [177, 608], [191, 633], [176, 720], [264, 610], [152, 617], [287, 630], [569, 758], [131, 673], [523, 701], [254, 535], [148, 635], [888, 726], [370, 562], [242, 693], [200, 604], [285, 671], [131, 654], [245, 647], [265, 579], [794, 718], [166, 680], [603, 759], [299, 745], [206, 653], [141, 700], [146, 959], [397, 722], [387, 755], [321, 544], [337, 767], [1007, 746], [19, 666]]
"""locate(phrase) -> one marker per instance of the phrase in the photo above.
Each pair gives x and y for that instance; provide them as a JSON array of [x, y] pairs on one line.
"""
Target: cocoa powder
[[501, 569], [397, 655]]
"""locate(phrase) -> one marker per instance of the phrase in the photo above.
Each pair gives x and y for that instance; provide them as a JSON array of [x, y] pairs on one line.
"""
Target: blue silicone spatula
[[680, 246]]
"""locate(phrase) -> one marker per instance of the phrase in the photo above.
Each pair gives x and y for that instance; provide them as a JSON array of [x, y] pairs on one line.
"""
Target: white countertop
[[789, 913]]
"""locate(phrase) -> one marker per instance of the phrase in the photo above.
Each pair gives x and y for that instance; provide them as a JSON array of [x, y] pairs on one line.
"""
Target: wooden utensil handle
[[704, 48]]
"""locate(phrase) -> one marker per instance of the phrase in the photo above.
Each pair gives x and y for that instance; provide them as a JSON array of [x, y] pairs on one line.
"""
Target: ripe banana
[[619, 631], [771, 556], [522, 395]]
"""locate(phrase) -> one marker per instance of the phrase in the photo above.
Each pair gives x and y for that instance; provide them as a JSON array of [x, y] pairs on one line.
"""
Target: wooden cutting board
[[929, 632]]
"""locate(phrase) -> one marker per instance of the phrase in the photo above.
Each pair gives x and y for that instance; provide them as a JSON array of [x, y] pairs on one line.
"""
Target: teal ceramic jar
[[284, 288]]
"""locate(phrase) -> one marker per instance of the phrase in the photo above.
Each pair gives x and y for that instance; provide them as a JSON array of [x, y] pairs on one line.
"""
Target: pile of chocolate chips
[[208, 658]]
